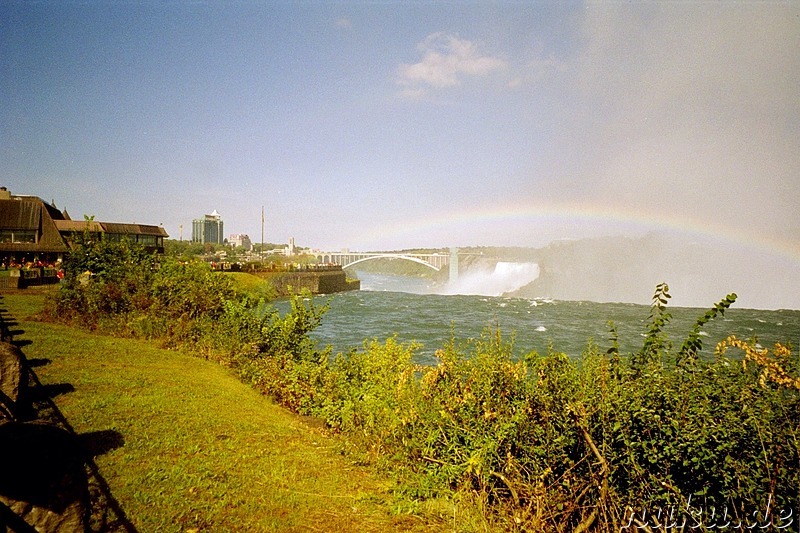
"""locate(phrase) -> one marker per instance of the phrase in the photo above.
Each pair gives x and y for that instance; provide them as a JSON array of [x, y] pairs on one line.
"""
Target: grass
[[200, 451], [255, 286]]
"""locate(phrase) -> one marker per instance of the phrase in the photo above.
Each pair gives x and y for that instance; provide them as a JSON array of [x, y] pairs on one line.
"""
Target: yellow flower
[[771, 368]]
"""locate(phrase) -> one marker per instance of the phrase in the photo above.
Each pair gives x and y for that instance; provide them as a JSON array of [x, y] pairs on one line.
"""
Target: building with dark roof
[[32, 230]]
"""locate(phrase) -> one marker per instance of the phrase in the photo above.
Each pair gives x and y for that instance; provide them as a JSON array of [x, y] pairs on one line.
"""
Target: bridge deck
[[346, 259]]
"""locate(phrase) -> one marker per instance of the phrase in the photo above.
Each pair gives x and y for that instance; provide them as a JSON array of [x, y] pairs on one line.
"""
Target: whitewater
[[504, 278]]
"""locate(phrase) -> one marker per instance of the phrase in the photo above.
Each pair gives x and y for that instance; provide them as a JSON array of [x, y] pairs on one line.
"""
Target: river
[[404, 306]]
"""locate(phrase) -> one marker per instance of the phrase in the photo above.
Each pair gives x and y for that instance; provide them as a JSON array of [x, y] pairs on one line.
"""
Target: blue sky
[[384, 125]]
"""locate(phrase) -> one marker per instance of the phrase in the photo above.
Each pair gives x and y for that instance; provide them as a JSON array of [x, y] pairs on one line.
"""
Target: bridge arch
[[391, 256]]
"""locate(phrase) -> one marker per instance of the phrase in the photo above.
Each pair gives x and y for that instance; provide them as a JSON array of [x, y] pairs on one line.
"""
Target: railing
[[8, 282], [256, 267], [28, 277]]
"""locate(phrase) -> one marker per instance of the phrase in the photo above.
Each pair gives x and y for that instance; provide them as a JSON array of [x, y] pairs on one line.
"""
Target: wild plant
[[544, 442], [558, 444]]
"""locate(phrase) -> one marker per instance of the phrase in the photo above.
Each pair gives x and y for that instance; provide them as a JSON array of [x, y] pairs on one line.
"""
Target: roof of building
[[134, 229], [30, 213], [109, 227], [25, 214], [78, 225], [22, 215]]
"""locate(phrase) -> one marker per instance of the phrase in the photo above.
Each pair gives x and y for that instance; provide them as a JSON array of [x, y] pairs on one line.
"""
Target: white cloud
[[446, 60], [344, 22]]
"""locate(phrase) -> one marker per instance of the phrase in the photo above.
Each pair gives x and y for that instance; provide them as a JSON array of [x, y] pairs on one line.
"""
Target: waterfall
[[505, 277]]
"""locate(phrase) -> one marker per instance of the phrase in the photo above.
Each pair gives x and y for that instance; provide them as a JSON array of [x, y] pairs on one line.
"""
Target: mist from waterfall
[[503, 278]]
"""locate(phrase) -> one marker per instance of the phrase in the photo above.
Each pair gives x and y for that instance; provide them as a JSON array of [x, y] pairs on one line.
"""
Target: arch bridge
[[436, 261]]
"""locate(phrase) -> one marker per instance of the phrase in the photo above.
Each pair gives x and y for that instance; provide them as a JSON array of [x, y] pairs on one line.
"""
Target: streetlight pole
[[261, 252]]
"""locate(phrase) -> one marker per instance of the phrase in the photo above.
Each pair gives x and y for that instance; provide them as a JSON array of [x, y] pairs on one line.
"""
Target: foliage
[[119, 286], [102, 278], [693, 343], [251, 285], [187, 249], [777, 369], [558, 444], [273, 353], [655, 341], [548, 443]]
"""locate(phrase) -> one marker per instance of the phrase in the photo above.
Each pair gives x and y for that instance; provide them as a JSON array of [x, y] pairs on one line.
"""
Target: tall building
[[208, 229]]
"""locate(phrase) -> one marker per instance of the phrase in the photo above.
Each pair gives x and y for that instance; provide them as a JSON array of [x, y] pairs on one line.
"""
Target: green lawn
[[200, 450]]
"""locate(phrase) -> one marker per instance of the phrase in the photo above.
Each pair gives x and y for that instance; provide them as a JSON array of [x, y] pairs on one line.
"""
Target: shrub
[[547, 442], [102, 279], [559, 444], [120, 287]]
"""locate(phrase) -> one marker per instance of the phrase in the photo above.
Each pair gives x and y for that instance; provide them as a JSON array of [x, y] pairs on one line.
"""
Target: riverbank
[[540, 442], [197, 450], [284, 284]]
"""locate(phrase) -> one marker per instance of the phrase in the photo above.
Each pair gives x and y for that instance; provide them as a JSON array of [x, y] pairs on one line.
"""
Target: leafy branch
[[655, 340], [693, 343]]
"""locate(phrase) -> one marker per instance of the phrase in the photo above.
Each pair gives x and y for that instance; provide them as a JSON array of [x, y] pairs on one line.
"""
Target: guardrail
[[19, 279]]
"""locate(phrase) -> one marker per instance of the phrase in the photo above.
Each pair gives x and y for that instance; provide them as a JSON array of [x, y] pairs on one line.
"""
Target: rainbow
[[577, 215]]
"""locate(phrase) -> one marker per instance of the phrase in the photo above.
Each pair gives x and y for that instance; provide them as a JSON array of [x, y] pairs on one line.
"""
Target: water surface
[[402, 306]]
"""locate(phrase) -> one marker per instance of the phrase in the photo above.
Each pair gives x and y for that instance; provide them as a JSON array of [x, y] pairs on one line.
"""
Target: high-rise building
[[208, 229]]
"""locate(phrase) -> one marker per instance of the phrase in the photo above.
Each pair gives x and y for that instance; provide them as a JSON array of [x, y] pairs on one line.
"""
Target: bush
[[549, 443], [559, 444], [102, 279], [120, 287]]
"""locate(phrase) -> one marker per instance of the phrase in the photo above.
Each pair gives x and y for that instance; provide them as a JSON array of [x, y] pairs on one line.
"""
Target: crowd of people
[[35, 265]]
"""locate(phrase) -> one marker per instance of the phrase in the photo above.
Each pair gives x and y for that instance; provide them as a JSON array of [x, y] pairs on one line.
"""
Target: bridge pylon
[[453, 264]]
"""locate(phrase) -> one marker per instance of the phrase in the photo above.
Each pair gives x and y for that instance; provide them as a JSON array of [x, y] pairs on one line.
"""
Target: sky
[[392, 125]]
